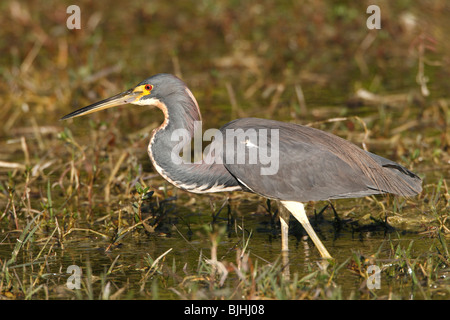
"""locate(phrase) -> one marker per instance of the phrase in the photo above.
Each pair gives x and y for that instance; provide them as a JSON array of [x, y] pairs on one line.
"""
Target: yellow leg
[[298, 211], [284, 221]]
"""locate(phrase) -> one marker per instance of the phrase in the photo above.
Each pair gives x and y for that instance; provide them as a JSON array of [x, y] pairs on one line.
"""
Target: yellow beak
[[128, 96]]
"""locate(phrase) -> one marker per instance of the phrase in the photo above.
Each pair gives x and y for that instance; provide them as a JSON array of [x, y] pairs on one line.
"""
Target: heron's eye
[[148, 87]]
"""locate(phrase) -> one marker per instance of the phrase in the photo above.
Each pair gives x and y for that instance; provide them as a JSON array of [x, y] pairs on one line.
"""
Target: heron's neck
[[177, 134]]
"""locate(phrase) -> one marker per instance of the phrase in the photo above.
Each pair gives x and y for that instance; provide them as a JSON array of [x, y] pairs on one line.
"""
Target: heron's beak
[[128, 96]]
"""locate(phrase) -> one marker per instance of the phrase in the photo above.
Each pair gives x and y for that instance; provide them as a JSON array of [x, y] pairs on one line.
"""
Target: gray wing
[[300, 163]]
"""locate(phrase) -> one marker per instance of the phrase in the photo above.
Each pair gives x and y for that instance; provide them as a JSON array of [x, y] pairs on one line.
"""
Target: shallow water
[[127, 264]]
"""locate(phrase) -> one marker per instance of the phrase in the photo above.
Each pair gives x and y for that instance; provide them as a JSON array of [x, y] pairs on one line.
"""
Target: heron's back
[[314, 165]]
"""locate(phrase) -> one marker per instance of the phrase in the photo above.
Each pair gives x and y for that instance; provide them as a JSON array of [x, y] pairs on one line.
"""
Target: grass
[[403, 272], [84, 193], [41, 246]]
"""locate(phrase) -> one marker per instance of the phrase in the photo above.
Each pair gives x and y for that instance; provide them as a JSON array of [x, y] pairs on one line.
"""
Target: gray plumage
[[305, 164], [316, 165]]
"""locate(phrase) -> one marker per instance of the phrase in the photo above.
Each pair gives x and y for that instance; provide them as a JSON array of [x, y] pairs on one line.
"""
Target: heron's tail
[[398, 180]]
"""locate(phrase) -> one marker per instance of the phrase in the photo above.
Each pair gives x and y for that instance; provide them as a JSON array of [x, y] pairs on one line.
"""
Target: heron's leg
[[284, 216], [284, 221], [298, 211]]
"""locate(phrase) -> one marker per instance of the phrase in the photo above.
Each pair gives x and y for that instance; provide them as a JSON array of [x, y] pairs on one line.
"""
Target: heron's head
[[151, 91]]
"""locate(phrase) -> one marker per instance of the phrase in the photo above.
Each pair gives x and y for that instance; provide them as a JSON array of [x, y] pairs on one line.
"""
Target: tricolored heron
[[311, 164]]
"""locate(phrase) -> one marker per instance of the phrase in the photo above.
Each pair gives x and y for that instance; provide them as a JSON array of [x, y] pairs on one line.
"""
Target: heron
[[310, 164]]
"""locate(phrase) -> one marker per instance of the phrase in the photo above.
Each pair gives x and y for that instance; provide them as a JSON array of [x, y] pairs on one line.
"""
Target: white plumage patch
[[146, 102]]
